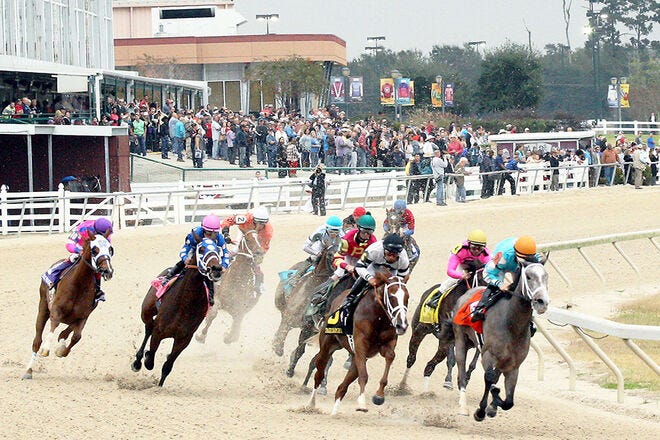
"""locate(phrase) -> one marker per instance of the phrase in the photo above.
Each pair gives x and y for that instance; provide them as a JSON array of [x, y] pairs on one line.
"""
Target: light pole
[[395, 76], [616, 82], [376, 48], [438, 81], [476, 44], [345, 71], [593, 30], [267, 18]]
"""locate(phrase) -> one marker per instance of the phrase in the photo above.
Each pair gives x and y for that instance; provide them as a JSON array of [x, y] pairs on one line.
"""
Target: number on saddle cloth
[[54, 274]]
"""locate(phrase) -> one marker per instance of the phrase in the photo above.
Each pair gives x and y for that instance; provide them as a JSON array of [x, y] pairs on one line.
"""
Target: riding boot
[[487, 299], [173, 271], [210, 285], [99, 295], [355, 294]]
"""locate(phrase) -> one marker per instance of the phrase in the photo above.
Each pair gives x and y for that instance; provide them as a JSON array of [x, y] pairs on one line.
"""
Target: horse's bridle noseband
[[244, 249]]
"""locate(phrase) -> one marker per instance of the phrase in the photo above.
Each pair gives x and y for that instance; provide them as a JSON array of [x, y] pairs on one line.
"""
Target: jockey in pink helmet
[[210, 228]]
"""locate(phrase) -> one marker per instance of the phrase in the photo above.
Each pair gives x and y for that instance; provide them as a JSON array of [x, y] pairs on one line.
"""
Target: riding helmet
[[102, 226], [400, 205], [333, 223], [478, 237], [211, 223], [525, 247], [260, 214], [367, 222], [358, 212], [393, 243]]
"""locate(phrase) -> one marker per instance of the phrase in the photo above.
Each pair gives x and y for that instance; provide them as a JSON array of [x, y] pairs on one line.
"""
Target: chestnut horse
[[394, 222], [443, 330], [379, 318], [181, 309], [235, 294], [296, 302], [72, 300], [506, 336]]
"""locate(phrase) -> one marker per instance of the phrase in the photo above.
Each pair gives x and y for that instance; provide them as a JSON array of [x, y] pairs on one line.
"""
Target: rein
[[526, 293], [243, 248]]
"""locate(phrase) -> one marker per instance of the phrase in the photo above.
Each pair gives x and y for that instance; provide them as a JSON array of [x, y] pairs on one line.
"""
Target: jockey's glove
[[73, 258]]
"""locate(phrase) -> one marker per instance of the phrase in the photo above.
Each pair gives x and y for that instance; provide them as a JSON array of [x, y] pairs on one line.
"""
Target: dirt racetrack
[[240, 390]]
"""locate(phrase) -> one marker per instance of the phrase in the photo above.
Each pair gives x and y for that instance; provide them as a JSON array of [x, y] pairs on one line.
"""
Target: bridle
[[207, 252], [244, 249], [105, 254], [400, 309], [523, 290]]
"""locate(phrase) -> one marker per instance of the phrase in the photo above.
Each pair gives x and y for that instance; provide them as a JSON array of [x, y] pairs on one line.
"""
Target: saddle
[[157, 283], [341, 321]]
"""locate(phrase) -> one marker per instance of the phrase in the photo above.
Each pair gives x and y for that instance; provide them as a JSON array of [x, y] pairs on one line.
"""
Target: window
[[167, 14]]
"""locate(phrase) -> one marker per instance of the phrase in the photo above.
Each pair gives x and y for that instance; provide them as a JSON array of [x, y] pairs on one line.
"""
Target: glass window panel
[[233, 95]]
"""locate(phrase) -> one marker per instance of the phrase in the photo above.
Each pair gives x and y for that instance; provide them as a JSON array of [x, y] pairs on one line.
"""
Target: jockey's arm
[[364, 268], [453, 267], [312, 245], [493, 275]]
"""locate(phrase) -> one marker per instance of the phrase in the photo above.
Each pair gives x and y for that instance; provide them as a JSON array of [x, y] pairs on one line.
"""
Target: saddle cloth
[[340, 322], [157, 283], [429, 314], [464, 314], [55, 273]]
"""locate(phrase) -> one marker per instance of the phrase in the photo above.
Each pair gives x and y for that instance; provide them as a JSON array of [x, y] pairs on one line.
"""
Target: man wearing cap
[[317, 183]]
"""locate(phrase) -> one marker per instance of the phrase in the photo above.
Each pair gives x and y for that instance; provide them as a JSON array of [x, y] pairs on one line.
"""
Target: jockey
[[209, 228], [506, 257], [350, 222], [257, 220], [353, 244], [77, 238], [472, 250], [387, 255], [408, 220], [325, 236]]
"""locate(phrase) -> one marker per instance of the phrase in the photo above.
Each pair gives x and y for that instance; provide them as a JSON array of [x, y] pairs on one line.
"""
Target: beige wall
[[191, 50], [132, 22]]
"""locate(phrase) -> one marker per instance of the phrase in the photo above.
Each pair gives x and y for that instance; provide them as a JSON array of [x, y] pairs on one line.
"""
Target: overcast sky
[[421, 24]]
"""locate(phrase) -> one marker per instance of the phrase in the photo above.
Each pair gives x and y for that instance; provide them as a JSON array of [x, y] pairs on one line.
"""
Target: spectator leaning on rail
[[640, 161]]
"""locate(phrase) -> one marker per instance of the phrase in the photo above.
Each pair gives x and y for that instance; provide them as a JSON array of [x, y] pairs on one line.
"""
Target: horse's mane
[[381, 277]]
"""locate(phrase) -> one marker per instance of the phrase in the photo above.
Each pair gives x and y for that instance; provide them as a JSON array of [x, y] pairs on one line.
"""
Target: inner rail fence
[[582, 323], [179, 202]]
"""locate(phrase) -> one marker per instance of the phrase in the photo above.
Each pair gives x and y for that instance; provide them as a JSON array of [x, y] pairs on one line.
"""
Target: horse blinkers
[[101, 256]]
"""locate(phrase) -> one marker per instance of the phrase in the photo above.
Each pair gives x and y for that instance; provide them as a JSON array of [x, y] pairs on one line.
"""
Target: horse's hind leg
[[451, 363], [473, 365], [439, 356], [213, 312], [150, 354], [177, 348], [305, 333], [42, 317], [280, 335], [235, 330]]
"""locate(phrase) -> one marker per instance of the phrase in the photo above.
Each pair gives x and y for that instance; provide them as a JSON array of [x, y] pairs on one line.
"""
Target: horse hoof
[[200, 337], [44, 353], [377, 400], [362, 410], [279, 352], [289, 372], [322, 391], [136, 366], [491, 412], [60, 352], [27, 376], [229, 338], [479, 415], [448, 385]]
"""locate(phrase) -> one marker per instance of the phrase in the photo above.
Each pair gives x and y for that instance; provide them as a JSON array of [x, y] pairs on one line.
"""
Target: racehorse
[[297, 300], [180, 310], [72, 300], [443, 330], [380, 317], [235, 294], [506, 336], [394, 222]]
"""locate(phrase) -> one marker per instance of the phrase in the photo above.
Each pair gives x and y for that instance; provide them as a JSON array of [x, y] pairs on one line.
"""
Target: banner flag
[[386, 91], [337, 90], [449, 95], [436, 95], [356, 88]]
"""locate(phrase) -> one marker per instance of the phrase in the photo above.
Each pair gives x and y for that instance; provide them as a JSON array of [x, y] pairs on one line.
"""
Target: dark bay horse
[[72, 301], [506, 336], [443, 330], [380, 317], [235, 294], [394, 222], [181, 310], [296, 302]]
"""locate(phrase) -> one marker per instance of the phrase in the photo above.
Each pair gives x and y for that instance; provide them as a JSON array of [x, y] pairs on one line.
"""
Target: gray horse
[[506, 336]]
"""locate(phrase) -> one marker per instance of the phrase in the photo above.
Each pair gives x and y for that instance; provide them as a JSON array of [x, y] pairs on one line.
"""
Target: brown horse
[[506, 336], [181, 309], [380, 317], [296, 302], [235, 294], [394, 223], [72, 301], [443, 330]]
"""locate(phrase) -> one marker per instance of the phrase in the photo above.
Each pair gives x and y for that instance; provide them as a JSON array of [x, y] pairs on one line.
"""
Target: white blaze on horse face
[[104, 254], [536, 285], [398, 313]]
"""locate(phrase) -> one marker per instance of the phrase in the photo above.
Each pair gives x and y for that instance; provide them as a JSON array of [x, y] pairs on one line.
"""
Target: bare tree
[[566, 9]]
